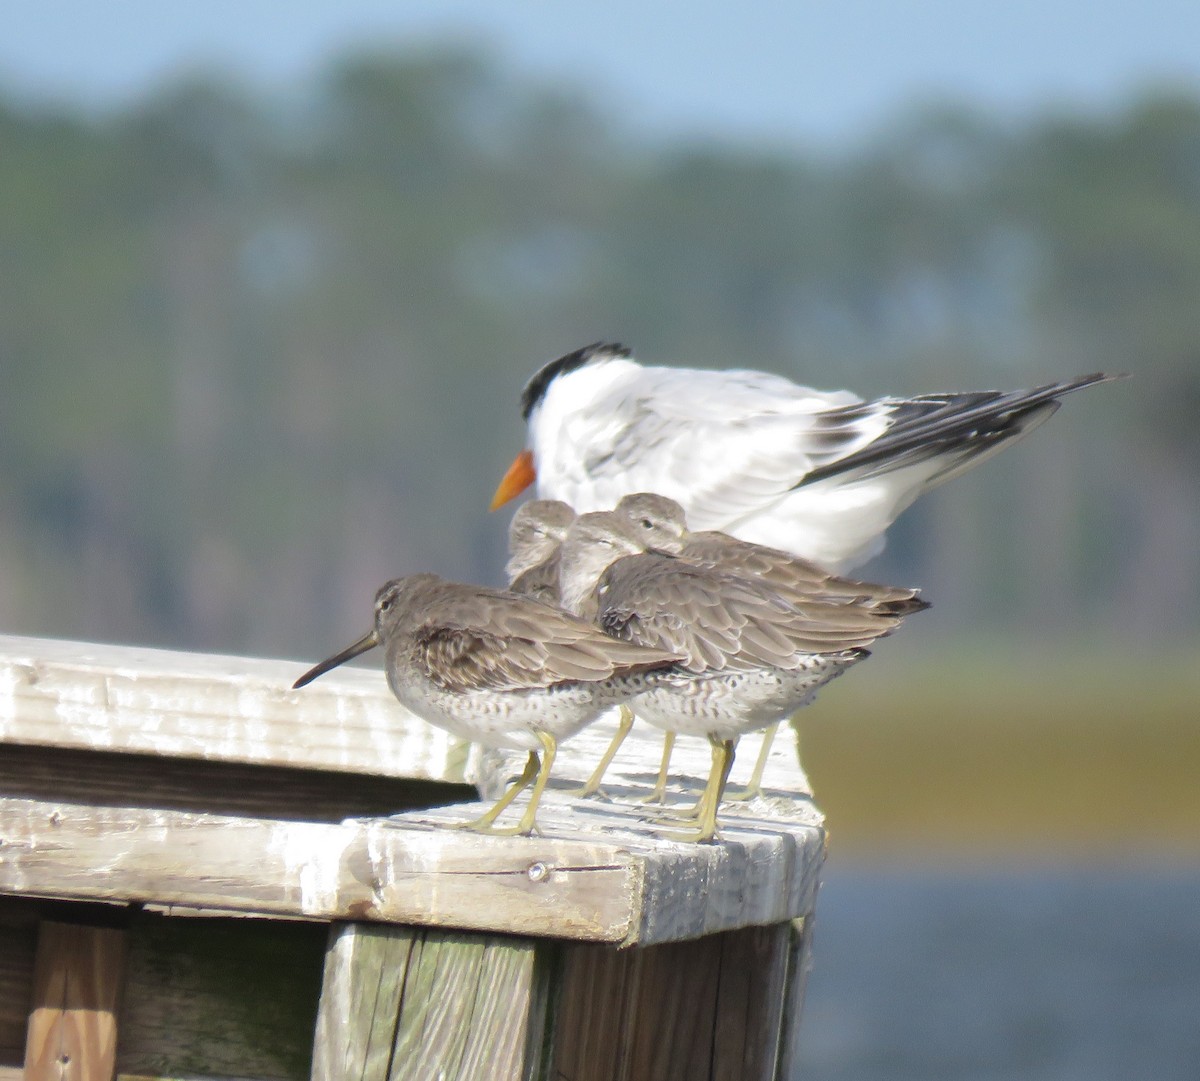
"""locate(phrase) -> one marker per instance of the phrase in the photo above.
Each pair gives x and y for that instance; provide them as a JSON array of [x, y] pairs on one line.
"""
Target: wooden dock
[[205, 874]]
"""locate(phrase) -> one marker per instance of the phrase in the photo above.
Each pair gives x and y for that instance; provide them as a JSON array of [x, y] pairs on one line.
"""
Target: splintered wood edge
[[233, 709], [589, 877], [130, 700]]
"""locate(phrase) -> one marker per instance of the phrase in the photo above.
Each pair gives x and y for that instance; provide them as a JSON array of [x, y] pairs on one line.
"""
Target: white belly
[[510, 720], [730, 704]]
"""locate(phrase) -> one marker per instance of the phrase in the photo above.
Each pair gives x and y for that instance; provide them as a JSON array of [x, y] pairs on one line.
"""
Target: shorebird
[[535, 536], [749, 658], [819, 474], [661, 524], [500, 669]]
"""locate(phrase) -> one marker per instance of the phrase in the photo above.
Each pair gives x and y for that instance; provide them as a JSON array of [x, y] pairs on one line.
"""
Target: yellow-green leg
[[528, 821], [693, 813], [593, 782], [658, 794], [724, 751], [718, 775], [754, 787], [483, 824]]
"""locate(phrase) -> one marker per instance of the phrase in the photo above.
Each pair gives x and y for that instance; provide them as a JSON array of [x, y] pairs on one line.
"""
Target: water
[[1050, 975]]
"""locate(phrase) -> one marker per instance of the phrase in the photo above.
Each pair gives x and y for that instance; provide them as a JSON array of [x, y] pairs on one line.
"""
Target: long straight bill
[[369, 641]]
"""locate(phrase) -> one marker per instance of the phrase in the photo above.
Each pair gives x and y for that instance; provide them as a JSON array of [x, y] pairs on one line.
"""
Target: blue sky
[[810, 72]]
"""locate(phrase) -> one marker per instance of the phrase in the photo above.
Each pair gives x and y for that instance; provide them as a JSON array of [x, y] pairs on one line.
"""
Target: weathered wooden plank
[[78, 974], [202, 998], [18, 942], [16, 987], [176, 1076], [798, 967], [763, 870], [360, 1001], [765, 873], [233, 709], [401, 1003], [597, 874], [242, 822], [750, 1004], [220, 998], [359, 869], [228, 788], [242, 710], [706, 1010], [466, 1008], [598, 995]]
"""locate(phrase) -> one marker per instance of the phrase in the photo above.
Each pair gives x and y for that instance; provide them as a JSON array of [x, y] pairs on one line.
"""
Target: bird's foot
[[484, 826], [702, 834], [752, 791], [675, 814]]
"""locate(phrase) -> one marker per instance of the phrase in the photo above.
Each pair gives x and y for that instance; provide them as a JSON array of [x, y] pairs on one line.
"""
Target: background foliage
[[259, 354]]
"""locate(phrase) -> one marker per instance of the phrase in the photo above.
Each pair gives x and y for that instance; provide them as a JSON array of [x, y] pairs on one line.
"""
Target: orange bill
[[520, 476]]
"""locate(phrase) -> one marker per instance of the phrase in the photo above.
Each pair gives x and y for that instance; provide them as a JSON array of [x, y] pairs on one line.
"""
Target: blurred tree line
[[260, 353]]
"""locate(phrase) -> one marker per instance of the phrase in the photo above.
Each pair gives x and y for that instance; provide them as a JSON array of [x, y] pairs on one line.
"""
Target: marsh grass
[[985, 753]]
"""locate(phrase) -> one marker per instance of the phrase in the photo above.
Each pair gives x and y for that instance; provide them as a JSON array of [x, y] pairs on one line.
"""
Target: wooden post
[[405, 1003], [799, 966], [706, 1010], [72, 1033], [600, 948], [402, 1003]]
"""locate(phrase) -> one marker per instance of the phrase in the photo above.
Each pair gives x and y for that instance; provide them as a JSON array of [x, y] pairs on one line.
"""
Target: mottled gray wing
[[718, 621], [723, 552], [511, 643], [540, 582], [797, 579]]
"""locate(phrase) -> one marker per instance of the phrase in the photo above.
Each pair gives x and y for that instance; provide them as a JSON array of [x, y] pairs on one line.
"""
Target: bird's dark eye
[[385, 604], [647, 524]]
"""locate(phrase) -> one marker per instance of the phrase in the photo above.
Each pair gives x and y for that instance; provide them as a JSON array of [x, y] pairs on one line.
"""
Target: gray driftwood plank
[[85, 696], [596, 874], [402, 1004]]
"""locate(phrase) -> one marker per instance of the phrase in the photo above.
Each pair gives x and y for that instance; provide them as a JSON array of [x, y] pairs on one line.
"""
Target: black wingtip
[[984, 418], [1091, 380], [535, 390]]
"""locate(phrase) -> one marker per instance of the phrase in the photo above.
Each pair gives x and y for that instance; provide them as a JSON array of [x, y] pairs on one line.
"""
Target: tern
[[819, 474]]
